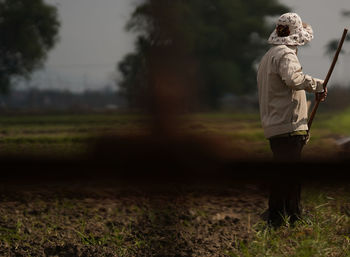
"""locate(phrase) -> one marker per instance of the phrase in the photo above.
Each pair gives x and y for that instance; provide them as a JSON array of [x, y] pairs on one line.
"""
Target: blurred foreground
[[136, 145]]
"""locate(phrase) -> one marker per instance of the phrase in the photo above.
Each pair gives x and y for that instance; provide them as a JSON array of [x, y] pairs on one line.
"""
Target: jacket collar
[[294, 48]]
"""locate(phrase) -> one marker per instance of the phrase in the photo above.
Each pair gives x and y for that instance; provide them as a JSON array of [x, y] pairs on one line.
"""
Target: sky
[[327, 22], [93, 40]]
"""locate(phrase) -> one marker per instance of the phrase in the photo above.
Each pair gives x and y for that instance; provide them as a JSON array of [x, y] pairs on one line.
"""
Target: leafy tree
[[133, 69], [332, 45], [224, 37], [28, 30], [346, 13]]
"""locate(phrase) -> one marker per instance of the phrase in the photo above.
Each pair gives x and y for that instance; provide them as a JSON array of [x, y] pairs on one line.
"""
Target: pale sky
[[325, 18], [93, 40]]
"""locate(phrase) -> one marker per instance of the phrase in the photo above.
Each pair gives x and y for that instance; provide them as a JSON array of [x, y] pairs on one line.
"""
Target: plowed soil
[[112, 219]]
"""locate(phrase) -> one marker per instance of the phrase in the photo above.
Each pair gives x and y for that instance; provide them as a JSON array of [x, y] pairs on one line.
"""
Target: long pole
[[314, 110]]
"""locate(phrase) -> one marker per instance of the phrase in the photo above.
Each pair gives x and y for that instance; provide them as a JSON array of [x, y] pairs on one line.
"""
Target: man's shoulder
[[276, 52], [281, 50]]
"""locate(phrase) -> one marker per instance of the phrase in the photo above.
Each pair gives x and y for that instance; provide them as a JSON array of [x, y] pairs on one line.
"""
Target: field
[[65, 135], [110, 217]]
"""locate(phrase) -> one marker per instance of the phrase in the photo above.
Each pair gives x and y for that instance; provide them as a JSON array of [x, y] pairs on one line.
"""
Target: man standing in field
[[283, 109]]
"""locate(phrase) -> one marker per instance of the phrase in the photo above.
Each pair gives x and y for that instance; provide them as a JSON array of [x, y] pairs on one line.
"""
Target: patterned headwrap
[[290, 30]]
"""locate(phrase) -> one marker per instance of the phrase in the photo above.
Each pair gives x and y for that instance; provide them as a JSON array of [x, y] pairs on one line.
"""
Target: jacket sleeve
[[291, 73]]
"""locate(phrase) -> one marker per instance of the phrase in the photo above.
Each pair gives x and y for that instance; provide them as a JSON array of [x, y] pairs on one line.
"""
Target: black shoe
[[275, 221]]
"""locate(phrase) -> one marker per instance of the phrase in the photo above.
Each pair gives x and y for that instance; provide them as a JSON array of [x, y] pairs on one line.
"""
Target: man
[[283, 109]]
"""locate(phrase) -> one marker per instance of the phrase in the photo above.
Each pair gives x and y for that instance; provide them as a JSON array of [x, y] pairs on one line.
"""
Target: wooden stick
[[314, 110]]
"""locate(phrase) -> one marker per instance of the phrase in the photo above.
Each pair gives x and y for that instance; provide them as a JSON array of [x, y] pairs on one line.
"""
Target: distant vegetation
[[46, 100], [332, 45], [204, 49], [29, 30], [34, 100]]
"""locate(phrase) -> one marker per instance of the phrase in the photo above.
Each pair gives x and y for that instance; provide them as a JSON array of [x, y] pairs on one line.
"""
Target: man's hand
[[321, 96]]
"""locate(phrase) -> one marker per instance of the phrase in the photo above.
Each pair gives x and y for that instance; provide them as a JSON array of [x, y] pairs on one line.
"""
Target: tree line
[[212, 44]]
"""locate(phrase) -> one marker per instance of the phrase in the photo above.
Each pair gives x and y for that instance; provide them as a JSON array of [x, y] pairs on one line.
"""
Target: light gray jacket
[[281, 88]]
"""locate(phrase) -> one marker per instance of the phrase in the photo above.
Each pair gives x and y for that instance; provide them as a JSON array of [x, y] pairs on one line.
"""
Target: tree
[[133, 85], [28, 30], [332, 45], [224, 37]]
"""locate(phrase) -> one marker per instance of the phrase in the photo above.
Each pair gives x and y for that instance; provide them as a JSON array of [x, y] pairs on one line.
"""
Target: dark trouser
[[284, 200]]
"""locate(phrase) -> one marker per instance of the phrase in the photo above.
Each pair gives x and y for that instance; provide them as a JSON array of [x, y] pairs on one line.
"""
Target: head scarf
[[299, 33]]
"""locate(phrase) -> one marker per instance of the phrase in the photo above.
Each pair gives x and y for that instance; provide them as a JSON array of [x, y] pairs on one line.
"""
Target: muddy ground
[[112, 219], [204, 206]]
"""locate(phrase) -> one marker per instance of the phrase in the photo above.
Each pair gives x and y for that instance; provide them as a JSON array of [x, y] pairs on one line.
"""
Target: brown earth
[[183, 200], [111, 219]]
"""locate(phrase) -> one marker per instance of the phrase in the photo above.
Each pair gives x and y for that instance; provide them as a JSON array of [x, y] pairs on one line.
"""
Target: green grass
[[62, 135], [338, 123], [72, 134], [324, 231], [13, 234]]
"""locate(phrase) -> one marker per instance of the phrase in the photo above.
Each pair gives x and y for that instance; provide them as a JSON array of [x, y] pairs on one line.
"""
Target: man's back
[[283, 107]]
